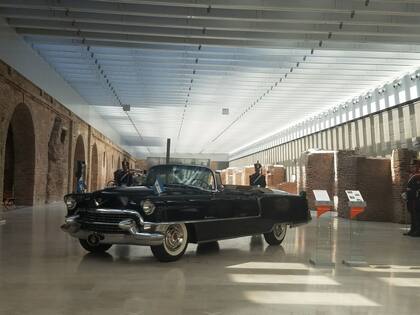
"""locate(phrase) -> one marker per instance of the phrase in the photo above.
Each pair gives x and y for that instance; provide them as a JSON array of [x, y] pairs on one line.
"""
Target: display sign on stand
[[357, 205], [322, 255]]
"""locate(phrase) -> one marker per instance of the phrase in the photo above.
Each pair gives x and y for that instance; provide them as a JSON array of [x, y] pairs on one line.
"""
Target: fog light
[[148, 207]]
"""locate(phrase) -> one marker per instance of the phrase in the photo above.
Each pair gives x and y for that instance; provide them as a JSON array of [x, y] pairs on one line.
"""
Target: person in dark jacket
[[413, 199], [257, 179], [123, 177], [80, 177]]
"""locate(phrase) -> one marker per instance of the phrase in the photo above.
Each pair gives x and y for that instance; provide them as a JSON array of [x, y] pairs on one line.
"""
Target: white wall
[[18, 54]]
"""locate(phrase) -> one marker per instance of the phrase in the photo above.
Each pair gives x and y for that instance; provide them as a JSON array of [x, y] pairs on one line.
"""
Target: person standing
[[123, 177], [257, 179], [413, 199], [80, 177]]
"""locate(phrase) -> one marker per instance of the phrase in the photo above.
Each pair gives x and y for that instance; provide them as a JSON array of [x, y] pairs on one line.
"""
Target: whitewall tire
[[174, 244], [277, 234]]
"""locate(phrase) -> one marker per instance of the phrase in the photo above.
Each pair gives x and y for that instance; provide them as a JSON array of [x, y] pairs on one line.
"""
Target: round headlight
[[71, 203], [148, 207]]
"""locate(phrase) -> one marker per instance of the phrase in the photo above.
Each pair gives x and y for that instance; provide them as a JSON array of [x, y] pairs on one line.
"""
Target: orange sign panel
[[354, 212]]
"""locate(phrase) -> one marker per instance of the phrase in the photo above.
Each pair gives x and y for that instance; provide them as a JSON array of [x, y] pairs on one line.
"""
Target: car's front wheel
[[94, 247], [277, 234], [174, 244]]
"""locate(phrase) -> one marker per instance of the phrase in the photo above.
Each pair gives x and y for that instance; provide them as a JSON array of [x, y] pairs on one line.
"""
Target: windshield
[[185, 175]]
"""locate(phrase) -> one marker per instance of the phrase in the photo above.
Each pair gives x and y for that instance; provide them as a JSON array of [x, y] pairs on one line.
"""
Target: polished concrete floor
[[43, 271]]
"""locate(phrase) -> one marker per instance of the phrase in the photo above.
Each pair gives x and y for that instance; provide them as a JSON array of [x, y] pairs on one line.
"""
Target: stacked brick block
[[248, 171], [276, 174], [238, 177], [372, 177], [316, 171], [400, 170], [288, 187], [375, 184], [346, 179]]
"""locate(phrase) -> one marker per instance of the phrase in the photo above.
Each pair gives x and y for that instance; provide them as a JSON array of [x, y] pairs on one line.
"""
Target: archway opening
[[56, 161], [79, 162], [94, 168], [19, 170]]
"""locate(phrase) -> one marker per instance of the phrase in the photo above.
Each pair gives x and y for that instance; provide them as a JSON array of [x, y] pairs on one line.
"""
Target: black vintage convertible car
[[180, 204]]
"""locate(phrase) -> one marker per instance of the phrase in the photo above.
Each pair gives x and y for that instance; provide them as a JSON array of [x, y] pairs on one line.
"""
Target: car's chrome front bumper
[[133, 237]]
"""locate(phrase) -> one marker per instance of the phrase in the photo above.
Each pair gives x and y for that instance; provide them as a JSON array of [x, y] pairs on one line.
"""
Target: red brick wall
[[375, 184], [346, 179], [288, 186], [52, 168], [372, 176], [276, 174], [400, 170], [316, 171]]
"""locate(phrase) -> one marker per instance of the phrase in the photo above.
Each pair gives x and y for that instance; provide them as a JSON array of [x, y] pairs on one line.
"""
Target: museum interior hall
[[219, 157]]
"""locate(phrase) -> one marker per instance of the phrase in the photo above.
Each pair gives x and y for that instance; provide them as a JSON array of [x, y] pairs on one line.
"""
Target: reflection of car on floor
[[180, 204]]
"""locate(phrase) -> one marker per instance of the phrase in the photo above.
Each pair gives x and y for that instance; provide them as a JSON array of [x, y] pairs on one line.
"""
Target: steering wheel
[[201, 183]]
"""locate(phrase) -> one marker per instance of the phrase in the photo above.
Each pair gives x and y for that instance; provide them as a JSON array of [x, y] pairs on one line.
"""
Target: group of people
[[122, 177]]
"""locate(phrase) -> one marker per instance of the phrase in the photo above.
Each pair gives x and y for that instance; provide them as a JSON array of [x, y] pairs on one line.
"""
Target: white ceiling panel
[[179, 63]]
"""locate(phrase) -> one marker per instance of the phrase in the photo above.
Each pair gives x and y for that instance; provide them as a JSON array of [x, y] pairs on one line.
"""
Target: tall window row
[[387, 96]]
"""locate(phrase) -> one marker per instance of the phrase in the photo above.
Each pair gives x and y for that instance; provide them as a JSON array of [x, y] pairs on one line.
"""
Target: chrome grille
[[103, 222]]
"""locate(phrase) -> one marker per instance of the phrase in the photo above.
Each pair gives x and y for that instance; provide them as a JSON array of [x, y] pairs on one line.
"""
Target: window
[[382, 103], [181, 176], [401, 96], [365, 109], [391, 100], [413, 92]]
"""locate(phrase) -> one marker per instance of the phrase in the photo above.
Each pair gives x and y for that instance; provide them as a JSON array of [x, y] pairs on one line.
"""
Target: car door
[[230, 214]]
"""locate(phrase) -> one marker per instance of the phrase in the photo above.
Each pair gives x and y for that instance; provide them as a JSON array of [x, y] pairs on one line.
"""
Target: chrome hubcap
[[279, 230], [175, 238]]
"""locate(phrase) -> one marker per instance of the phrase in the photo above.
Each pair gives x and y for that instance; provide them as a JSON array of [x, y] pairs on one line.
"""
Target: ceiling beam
[[230, 9]]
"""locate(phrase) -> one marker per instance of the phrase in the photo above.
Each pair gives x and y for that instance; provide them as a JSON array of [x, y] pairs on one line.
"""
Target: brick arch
[[79, 155], [56, 161], [19, 170], [94, 168]]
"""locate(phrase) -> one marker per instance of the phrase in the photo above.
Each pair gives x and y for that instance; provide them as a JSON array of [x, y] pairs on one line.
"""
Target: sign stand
[[322, 256], [357, 205]]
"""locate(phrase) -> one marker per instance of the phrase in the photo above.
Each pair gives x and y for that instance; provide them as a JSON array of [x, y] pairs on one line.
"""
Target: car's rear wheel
[[174, 244], [277, 234], [94, 247]]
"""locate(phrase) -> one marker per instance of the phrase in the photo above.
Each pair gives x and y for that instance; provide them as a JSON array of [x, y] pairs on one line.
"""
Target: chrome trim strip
[[145, 239], [100, 223], [201, 221], [142, 222]]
